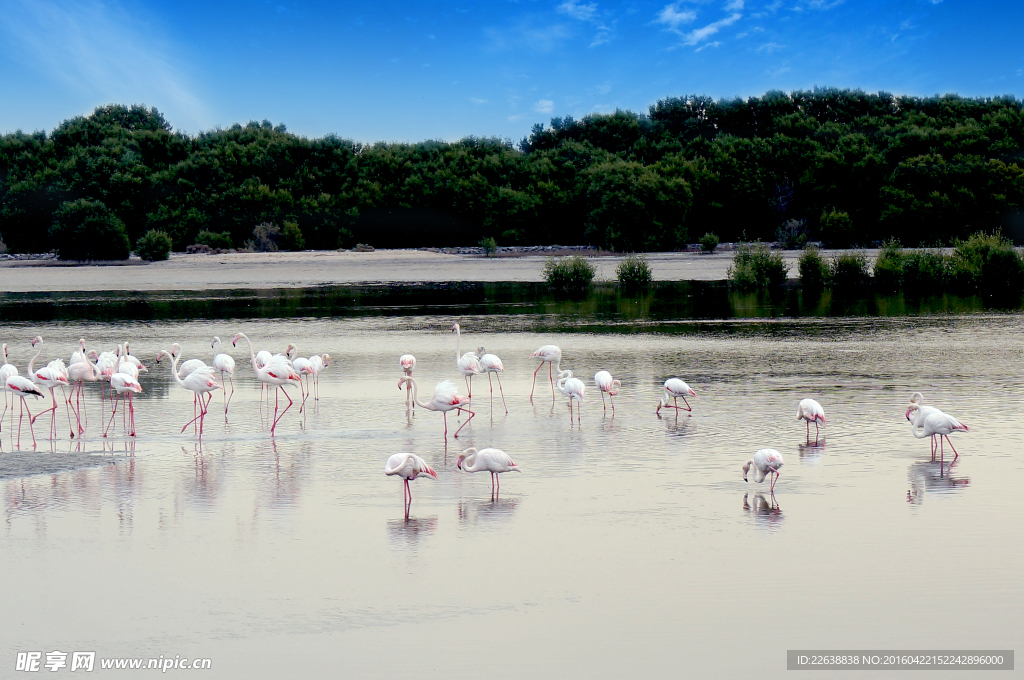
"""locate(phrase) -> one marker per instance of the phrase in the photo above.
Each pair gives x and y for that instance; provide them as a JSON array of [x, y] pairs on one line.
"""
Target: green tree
[[88, 230]]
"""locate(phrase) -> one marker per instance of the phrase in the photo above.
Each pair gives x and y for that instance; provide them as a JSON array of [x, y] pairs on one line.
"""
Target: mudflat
[[314, 268]]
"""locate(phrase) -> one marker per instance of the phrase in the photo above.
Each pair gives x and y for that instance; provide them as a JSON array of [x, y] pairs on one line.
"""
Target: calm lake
[[628, 546]]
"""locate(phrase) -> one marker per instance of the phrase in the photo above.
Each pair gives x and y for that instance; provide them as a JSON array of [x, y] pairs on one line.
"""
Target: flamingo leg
[[552, 379], [232, 381], [491, 386], [808, 423], [534, 385], [501, 391], [445, 414], [131, 409], [955, 453], [688, 408], [113, 412], [30, 426], [603, 405], [471, 415], [290, 402], [612, 402]]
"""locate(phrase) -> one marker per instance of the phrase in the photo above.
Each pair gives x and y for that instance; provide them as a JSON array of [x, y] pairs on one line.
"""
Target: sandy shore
[[317, 268]]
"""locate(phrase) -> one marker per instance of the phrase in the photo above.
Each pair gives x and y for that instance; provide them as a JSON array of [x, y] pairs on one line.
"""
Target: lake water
[[629, 546]]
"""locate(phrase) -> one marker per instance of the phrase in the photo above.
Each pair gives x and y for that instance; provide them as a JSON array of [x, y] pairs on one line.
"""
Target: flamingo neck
[[458, 343], [252, 353], [415, 397], [174, 370], [32, 361]]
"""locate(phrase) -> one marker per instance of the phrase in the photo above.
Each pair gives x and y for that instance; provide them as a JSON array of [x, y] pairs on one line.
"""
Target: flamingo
[[124, 383], [23, 387], [766, 462], [407, 362], [675, 389], [408, 466], [552, 355], [225, 364], [199, 382], [279, 374], [445, 399], [494, 461], [318, 363], [106, 364], [468, 363], [302, 367], [938, 423], [188, 368], [604, 382], [490, 363], [80, 370], [811, 411], [923, 412], [572, 388], [132, 359], [48, 377], [6, 371], [256, 359]]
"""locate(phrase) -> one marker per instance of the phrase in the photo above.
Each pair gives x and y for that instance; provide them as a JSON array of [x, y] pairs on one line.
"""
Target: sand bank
[[316, 268]]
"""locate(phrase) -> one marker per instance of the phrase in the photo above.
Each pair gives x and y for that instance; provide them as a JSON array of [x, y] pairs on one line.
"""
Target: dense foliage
[[634, 272], [569, 273], [154, 246], [846, 166], [757, 266], [88, 230]]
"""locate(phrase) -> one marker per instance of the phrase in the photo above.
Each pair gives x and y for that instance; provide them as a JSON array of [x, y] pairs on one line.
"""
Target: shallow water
[[628, 546]]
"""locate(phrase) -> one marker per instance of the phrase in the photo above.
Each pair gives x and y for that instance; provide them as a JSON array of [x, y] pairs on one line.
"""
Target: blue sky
[[398, 71]]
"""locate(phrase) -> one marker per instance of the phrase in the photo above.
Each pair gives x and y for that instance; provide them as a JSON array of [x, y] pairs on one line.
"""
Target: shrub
[[489, 245], [889, 265], [634, 271], [792, 235], [3, 247], [264, 237], [756, 266], [987, 261], [88, 230], [214, 239], [291, 237], [814, 270], [837, 229], [849, 268], [708, 242], [154, 246], [569, 272], [924, 269]]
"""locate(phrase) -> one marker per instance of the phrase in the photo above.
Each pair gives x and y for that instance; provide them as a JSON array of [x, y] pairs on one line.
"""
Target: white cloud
[[750, 31], [778, 72], [707, 45], [700, 34], [768, 48], [97, 48], [514, 118], [586, 12], [544, 106], [477, 100], [673, 18], [734, 5], [538, 38], [604, 88]]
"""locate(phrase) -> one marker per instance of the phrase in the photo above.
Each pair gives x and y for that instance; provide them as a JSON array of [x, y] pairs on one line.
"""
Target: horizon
[[402, 74]]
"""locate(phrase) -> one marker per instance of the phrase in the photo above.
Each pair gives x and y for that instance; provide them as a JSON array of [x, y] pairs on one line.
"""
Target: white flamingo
[[490, 363], [812, 412], [675, 389], [445, 398], [572, 388], [921, 413], [226, 365], [939, 423], [552, 356], [604, 382], [468, 363], [317, 364], [765, 462], [199, 382], [408, 363], [51, 376], [408, 466], [6, 371], [123, 383], [494, 461], [22, 387]]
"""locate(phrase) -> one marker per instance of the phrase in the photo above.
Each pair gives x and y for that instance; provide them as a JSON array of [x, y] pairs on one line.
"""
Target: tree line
[[842, 166]]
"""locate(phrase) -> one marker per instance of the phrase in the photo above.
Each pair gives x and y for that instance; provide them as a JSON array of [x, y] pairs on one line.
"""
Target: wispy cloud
[[734, 5], [673, 18], [95, 48], [477, 100], [527, 34], [768, 48], [749, 31], [544, 106], [701, 34], [778, 72], [707, 45], [579, 11]]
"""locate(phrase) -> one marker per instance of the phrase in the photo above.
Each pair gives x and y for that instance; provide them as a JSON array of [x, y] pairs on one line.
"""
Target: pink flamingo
[[574, 389], [941, 424], [811, 411], [122, 384], [48, 377], [318, 363], [552, 356], [280, 375], [445, 399], [80, 371], [490, 363], [604, 382], [408, 363], [766, 462], [494, 461], [408, 466], [225, 364], [675, 389], [468, 363], [6, 371], [23, 387], [199, 382]]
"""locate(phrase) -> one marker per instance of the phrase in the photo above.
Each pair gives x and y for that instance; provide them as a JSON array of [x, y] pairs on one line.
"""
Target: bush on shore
[[849, 268], [988, 262], [708, 242], [574, 272], [814, 270], [154, 246], [214, 239], [756, 266], [634, 271]]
